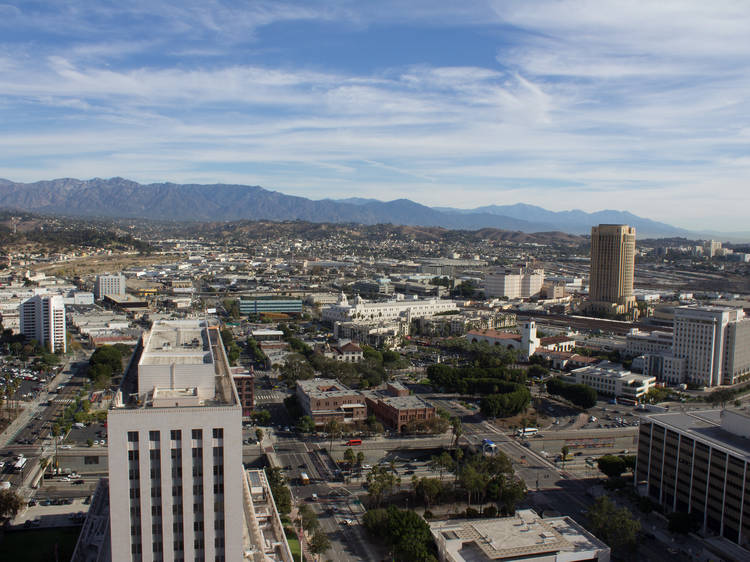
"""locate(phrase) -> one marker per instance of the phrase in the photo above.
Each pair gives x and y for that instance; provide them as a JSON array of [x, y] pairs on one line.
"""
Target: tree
[[380, 483], [308, 517], [332, 429], [360, 458], [615, 526], [349, 456], [259, 434], [513, 490], [442, 463], [564, 452], [403, 530], [319, 543], [306, 424], [456, 430], [428, 490], [581, 395], [611, 465], [10, 503]]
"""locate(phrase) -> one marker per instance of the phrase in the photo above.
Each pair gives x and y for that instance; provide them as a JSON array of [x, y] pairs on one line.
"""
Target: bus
[[304, 478], [20, 463], [527, 431], [353, 442]]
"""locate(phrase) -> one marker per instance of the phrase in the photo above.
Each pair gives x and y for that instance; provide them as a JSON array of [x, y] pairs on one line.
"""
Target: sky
[[587, 104]]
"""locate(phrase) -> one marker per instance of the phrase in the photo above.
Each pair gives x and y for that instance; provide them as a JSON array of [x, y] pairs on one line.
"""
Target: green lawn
[[38, 545], [291, 537]]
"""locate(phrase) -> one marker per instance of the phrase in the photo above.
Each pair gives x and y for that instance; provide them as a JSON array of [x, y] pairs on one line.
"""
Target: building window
[[132, 455], [175, 435], [132, 436], [153, 436], [218, 433], [197, 434]]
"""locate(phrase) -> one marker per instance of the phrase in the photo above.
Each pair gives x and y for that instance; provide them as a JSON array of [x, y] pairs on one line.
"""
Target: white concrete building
[[714, 342], [175, 450], [611, 379], [43, 318], [514, 283], [642, 343], [109, 285], [400, 307]]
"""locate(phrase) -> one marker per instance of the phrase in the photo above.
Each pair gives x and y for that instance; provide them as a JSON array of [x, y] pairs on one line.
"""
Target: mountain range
[[122, 198]]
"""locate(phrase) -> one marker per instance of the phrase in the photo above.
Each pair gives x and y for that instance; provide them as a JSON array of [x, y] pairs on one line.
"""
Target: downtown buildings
[[514, 283], [612, 268]]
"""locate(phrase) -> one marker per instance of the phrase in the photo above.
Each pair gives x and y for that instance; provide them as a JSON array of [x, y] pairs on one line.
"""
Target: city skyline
[[562, 105]]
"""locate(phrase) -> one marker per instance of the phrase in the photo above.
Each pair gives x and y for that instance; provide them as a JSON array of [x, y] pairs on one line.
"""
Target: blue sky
[[639, 106]]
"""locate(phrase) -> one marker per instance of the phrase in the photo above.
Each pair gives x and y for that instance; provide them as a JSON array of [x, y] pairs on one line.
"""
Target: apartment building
[[175, 450], [109, 285], [612, 268], [262, 305], [697, 462], [42, 318]]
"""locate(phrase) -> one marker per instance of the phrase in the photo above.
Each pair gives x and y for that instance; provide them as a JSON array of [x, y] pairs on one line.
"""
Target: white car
[[366, 466]]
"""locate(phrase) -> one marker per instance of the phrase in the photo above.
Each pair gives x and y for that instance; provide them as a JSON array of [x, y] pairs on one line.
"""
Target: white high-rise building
[[175, 451], [109, 285], [42, 318], [710, 346]]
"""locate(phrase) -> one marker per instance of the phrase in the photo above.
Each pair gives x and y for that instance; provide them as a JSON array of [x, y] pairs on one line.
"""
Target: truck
[[304, 478]]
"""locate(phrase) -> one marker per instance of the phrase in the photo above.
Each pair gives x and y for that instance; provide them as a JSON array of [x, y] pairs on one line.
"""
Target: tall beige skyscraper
[[612, 268]]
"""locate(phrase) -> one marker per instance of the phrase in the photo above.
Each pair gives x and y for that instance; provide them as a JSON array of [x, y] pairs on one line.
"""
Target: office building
[[642, 343], [109, 285], [42, 318], [523, 536], [261, 306], [698, 463], [514, 283], [612, 268], [175, 450], [711, 346], [611, 379]]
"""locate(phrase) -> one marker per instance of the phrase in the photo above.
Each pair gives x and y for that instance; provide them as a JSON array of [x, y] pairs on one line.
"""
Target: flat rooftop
[[213, 386], [525, 535], [325, 388], [410, 402], [176, 342], [705, 426]]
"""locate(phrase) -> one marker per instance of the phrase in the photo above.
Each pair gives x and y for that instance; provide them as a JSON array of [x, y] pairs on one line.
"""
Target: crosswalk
[[269, 396]]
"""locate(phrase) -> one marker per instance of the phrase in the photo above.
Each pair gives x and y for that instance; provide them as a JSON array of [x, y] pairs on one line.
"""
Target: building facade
[[259, 306], [325, 400], [514, 283], [42, 318], [408, 309], [175, 450], [109, 285], [612, 268], [697, 463], [245, 385], [610, 379]]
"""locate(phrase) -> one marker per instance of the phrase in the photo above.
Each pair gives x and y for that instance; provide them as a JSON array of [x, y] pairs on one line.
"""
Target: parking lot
[[79, 437]]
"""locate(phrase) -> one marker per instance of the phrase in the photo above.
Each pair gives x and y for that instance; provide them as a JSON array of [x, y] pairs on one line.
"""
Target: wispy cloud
[[584, 102]]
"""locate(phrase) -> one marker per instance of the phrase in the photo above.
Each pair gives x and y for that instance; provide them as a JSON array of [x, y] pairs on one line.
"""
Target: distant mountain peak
[[123, 198]]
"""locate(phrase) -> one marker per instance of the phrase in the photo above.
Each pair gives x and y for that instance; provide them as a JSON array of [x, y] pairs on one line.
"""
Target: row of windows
[[175, 434]]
